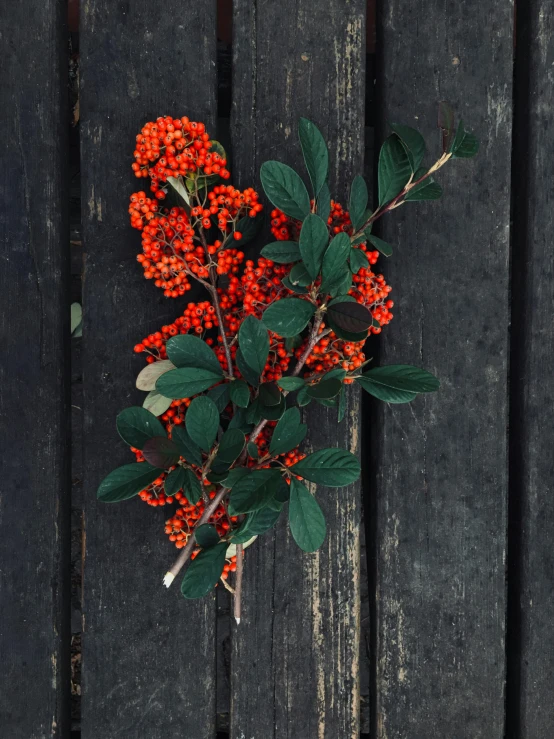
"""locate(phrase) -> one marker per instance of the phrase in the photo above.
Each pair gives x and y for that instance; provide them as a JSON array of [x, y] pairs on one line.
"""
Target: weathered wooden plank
[[441, 460], [34, 376], [295, 655], [149, 656], [531, 681]]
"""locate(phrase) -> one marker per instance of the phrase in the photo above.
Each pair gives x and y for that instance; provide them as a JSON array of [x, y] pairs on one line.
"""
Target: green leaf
[[284, 187], [192, 487], [246, 371], [398, 383], [331, 467], [146, 379], [282, 494], [202, 422], [187, 350], [253, 451], [465, 144], [175, 481], [220, 395], [325, 388], [127, 481], [206, 536], [315, 153], [253, 491], [204, 572], [349, 316], [289, 316], [231, 445], [234, 475], [446, 124], [394, 169], [428, 189], [299, 276], [324, 203], [186, 382], [238, 421], [161, 452], [358, 260], [254, 344], [291, 286], [357, 203], [288, 433], [291, 383], [253, 414], [334, 262], [306, 519], [303, 398], [261, 521], [314, 238], [272, 412], [269, 394], [413, 142], [381, 246], [187, 447], [282, 252], [239, 393], [249, 228], [136, 425], [156, 403]]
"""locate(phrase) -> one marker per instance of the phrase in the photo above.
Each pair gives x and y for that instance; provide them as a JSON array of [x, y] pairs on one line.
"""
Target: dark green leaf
[[314, 238], [204, 572], [239, 421], [428, 189], [315, 153], [465, 144], [303, 398], [127, 481], [446, 124], [202, 422], [398, 383], [187, 447], [175, 481], [288, 317], [334, 262], [295, 288], [187, 350], [253, 413], [269, 394], [331, 467], [306, 519], [284, 187], [325, 388], [231, 445], [253, 491], [357, 203], [358, 260], [350, 316], [246, 371], [234, 475], [272, 412], [381, 246], [220, 396], [161, 452], [186, 382], [206, 536], [282, 252], [282, 494], [394, 169], [291, 383], [136, 425], [299, 276], [324, 203], [192, 487], [288, 433], [239, 393], [254, 344], [413, 142], [249, 228], [253, 452], [261, 521]]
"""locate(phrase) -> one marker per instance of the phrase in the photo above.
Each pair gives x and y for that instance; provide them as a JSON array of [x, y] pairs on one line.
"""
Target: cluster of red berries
[[170, 147]]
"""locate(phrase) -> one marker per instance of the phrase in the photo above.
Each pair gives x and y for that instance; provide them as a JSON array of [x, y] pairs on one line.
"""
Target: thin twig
[[238, 584]]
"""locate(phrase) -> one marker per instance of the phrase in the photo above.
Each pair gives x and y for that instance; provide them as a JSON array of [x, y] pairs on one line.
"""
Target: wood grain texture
[[295, 670], [149, 655], [441, 461], [530, 709], [34, 373]]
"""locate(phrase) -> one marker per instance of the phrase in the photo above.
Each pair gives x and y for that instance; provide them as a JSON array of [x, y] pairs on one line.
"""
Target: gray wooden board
[[149, 655], [34, 400], [295, 669], [530, 705], [440, 462]]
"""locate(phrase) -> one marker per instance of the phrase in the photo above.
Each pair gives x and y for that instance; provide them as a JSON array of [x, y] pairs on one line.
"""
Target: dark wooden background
[[429, 611]]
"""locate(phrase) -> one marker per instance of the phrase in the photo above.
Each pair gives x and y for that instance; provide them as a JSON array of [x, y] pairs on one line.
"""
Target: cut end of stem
[[237, 619], [168, 579]]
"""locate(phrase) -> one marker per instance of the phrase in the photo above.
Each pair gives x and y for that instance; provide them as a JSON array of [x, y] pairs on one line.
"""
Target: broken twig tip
[[237, 620], [168, 579]]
